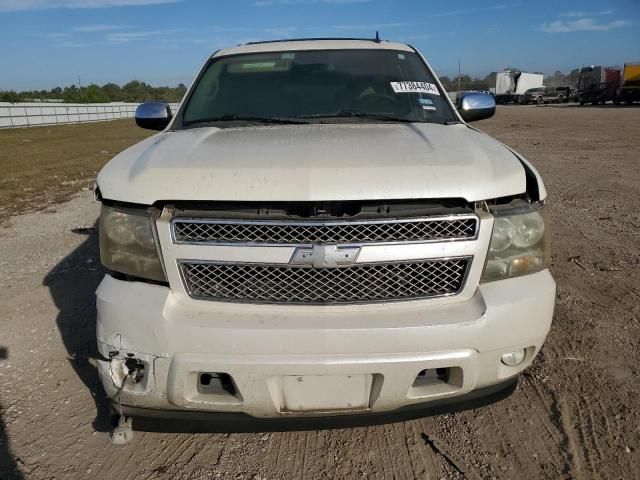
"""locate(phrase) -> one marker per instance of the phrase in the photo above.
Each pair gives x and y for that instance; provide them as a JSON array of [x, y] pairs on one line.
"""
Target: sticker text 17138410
[[414, 87]]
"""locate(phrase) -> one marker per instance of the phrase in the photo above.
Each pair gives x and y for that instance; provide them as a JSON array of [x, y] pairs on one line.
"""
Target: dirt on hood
[[314, 163]]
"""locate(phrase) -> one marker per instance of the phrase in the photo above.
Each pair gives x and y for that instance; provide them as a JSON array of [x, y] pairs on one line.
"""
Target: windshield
[[317, 87]]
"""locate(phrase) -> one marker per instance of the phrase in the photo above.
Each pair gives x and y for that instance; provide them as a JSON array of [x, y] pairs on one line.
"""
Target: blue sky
[[44, 43]]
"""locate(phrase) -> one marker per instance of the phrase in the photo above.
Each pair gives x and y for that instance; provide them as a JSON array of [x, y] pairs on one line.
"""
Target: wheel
[[616, 101], [594, 102], [581, 102], [560, 99], [539, 101]]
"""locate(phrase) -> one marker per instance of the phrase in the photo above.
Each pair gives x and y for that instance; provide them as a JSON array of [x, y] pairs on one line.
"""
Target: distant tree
[[181, 90], [112, 91], [467, 83], [446, 82], [490, 80], [94, 94], [71, 94], [559, 79], [9, 96], [137, 91]]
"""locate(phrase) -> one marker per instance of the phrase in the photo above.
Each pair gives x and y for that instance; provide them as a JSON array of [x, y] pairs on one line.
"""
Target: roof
[[313, 44]]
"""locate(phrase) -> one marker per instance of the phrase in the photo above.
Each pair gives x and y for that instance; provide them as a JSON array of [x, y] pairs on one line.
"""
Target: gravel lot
[[576, 413]]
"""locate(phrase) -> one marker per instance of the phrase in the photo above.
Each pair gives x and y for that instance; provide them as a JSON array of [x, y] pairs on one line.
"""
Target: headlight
[[127, 244], [519, 245]]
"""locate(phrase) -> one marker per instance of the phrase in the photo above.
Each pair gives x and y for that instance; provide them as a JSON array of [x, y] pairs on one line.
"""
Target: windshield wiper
[[249, 118], [372, 116]]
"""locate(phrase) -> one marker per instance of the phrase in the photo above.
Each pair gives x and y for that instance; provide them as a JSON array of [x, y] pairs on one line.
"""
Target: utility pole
[[459, 75]]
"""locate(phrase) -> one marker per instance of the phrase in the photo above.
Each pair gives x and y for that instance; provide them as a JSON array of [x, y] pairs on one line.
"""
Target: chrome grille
[[458, 227], [287, 284]]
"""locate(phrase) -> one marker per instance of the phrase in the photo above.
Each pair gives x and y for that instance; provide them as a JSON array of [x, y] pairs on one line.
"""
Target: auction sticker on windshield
[[414, 87]]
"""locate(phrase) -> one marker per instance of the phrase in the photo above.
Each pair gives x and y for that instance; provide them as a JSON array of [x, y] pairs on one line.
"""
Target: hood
[[314, 163]]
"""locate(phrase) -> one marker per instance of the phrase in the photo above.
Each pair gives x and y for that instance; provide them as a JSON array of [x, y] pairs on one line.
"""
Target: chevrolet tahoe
[[317, 231]]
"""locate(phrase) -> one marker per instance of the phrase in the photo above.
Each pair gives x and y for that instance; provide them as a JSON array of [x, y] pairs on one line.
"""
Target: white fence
[[36, 114]]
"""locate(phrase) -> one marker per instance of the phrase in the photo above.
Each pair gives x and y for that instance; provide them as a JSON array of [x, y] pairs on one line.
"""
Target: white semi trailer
[[510, 84]]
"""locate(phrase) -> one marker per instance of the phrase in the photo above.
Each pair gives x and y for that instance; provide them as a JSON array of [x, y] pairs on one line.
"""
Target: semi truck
[[629, 90], [597, 84], [511, 84]]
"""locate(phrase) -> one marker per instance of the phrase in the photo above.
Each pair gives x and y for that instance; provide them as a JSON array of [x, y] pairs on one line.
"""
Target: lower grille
[[288, 284]]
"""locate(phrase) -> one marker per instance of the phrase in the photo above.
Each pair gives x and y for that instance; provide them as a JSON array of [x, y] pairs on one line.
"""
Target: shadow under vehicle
[[72, 284]]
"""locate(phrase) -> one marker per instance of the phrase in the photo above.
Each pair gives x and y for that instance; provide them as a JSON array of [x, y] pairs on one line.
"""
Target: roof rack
[[375, 40]]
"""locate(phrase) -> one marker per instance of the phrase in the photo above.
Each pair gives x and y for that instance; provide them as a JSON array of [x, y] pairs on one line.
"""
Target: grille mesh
[[450, 228], [302, 285]]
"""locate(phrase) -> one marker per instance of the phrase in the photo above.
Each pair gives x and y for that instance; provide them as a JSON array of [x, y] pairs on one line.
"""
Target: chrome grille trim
[[295, 285], [201, 231]]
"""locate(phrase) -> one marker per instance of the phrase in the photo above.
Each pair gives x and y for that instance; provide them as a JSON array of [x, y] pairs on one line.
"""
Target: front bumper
[[262, 347], [194, 421]]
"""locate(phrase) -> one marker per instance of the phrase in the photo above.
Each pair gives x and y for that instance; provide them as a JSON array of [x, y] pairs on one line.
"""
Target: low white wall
[[34, 114]]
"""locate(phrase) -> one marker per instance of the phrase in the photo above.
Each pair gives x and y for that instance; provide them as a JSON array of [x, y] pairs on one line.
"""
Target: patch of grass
[[41, 166]]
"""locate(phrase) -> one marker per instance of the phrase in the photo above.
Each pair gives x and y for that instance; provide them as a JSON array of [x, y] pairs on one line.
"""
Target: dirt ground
[[576, 413]]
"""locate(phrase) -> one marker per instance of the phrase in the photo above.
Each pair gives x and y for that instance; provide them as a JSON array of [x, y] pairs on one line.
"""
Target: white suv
[[317, 232]]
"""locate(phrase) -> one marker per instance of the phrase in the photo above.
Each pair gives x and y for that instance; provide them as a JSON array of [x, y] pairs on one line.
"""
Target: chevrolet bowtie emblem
[[324, 256]]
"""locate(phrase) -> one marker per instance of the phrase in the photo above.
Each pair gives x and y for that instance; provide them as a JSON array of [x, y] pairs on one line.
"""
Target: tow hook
[[122, 434]]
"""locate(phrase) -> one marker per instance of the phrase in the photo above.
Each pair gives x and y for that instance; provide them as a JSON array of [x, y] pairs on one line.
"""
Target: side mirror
[[477, 106], [153, 115]]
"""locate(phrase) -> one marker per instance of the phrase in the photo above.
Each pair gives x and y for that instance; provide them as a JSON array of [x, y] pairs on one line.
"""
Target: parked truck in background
[[566, 93], [598, 84], [629, 90], [511, 84]]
